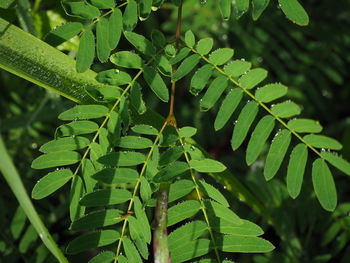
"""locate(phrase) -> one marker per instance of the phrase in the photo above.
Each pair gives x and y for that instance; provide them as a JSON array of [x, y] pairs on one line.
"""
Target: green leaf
[[324, 186], [80, 9], [123, 158], [221, 56], [305, 125], [179, 189], [137, 237], [277, 151], [86, 51], [169, 172], [183, 53], [207, 166], [294, 11], [55, 159], [213, 93], [204, 46], [97, 219], [103, 257], [237, 68], [218, 210], [186, 67], [190, 39], [145, 129], [270, 92], [186, 233], [158, 38], [182, 211], [63, 33], [252, 78], [51, 182], [189, 250], [156, 83], [228, 107], [131, 251], [201, 78], [136, 98], [213, 193], [115, 27], [116, 176], [77, 190], [130, 16], [65, 144], [170, 155], [145, 189], [145, 8], [103, 94], [103, 4], [242, 125], [102, 39], [81, 112], [143, 220], [5, 4], [242, 6], [127, 59], [296, 168], [337, 162], [285, 109], [225, 8], [92, 240], [141, 43], [247, 228], [77, 128], [321, 141], [259, 137], [187, 131], [105, 197], [134, 142], [163, 65], [258, 8], [244, 244], [113, 77]]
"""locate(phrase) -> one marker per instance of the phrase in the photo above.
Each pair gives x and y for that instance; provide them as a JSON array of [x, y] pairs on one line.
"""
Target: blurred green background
[[313, 61]]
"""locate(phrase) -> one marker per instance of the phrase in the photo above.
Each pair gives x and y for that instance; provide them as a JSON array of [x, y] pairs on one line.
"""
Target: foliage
[[132, 172]]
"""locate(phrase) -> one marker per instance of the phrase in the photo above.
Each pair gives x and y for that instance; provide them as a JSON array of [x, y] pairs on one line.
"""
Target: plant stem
[[14, 181], [160, 236]]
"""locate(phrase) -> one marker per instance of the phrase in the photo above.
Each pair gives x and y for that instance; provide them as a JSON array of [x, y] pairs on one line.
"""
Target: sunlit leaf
[[218, 210], [189, 38], [228, 107], [242, 6], [186, 67], [321, 141], [134, 142], [187, 131], [82, 112], [55, 159], [225, 8], [337, 162], [252, 78], [102, 39], [276, 153], [63, 33], [86, 51], [201, 78], [258, 8], [141, 43], [259, 137], [213, 193], [156, 83], [213, 93], [65, 144], [103, 4], [243, 123], [270, 92], [127, 59], [179, 189], [244, 244], [286, 109], [181, 211], [294, 11], [131, 251], [296, 168], [170, 172], [80, 9], [204, 46], [51, 182], [324, 186], [115, 26], [237, 68], [247, 228], [207, 166], [130, 16], [221, 56]]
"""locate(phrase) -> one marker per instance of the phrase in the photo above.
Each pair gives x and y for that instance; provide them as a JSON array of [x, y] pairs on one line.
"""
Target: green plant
[[129, 164]]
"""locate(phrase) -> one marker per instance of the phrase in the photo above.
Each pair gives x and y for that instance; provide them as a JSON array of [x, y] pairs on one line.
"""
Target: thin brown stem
[[178, 26]]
